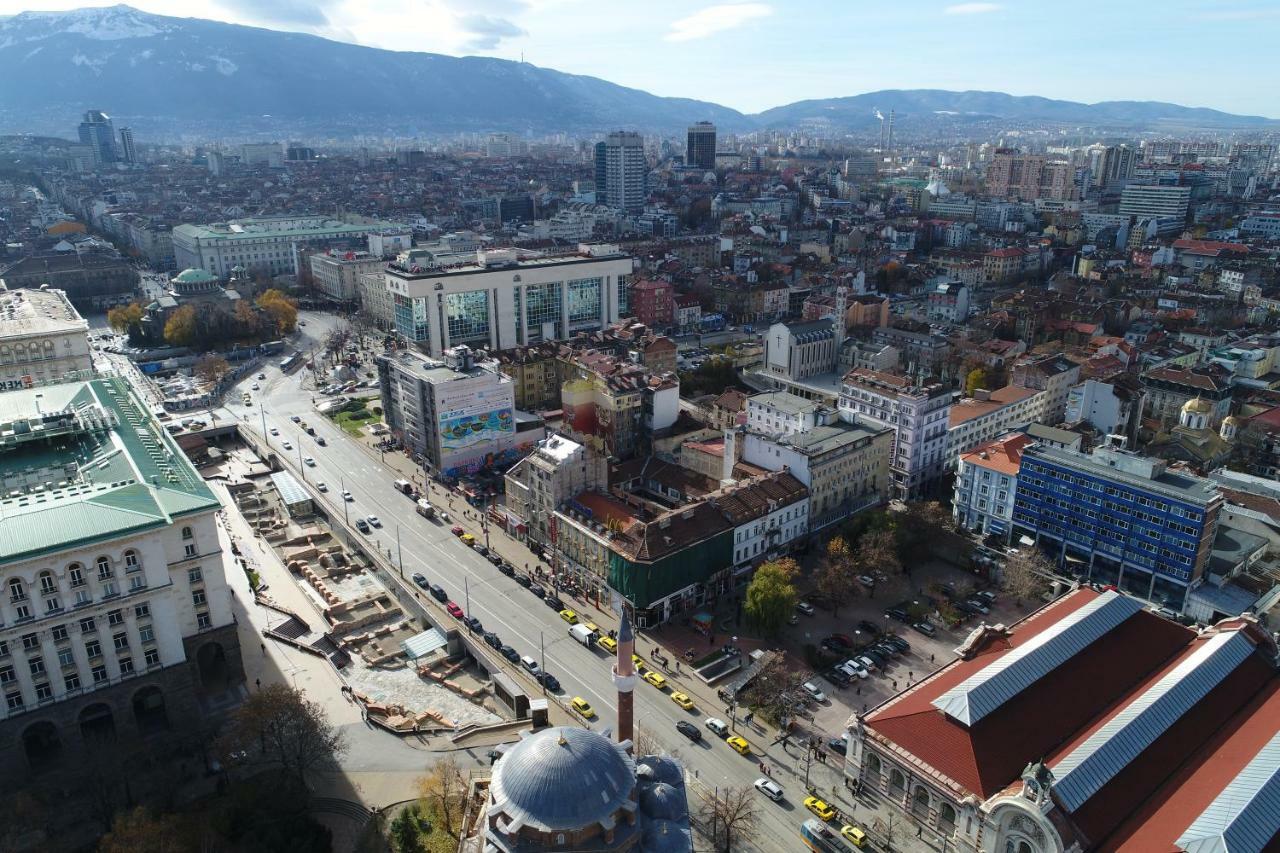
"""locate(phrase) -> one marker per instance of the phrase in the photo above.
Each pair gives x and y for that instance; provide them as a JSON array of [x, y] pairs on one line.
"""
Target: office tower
[[98, 131], [127, 151], [1162, 201], [1111, 165], [701, 150], [620, 171]]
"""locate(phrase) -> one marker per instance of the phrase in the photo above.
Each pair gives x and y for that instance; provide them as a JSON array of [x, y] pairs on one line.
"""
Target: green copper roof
[[194, 276], [87, 461]]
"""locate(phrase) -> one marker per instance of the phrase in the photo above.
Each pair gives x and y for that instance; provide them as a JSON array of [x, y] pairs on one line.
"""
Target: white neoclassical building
[[43, 338]]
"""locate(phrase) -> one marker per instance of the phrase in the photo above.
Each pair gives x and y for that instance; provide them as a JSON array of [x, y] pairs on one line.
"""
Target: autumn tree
[[919, 527], [181, 329], [771, 596], [877, 551], [774, 689], [278, 726], [138, 829], [731, 812], [211, 368], [247, 322], [837, 576], [282, 310], [1027, 573], [977, 378], [443, 792], [125, 318]]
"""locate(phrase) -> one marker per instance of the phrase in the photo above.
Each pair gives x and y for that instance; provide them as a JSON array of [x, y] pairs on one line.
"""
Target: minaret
[[624, 679]]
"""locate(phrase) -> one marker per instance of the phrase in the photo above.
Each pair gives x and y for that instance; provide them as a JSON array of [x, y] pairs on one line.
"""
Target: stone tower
[[624, 679]]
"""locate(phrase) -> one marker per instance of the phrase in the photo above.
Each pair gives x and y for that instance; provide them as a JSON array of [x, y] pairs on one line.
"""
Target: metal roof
[[1110, 749], [1245, 816], [421, 645], [291, 491], [1010, 674]]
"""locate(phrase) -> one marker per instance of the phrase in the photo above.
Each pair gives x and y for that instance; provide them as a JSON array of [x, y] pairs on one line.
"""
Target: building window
[[542, 305], [194, 575], [99, 673], [48, 586], [83, 597], [16, 591], [187, 534], [93, 649], [110, 590], [66, 658], [14, 700], [72, 682], [36, 665], [52, 605], [197, 597], [131, 563], [7, 675], [126, 666], [104, 568], [143, 610], [120, 640], [59, 633], [152, 657], [43, 692], [76, 573], [115, 617], [30, 642], [146, 633], [136, 583], [203, 620]]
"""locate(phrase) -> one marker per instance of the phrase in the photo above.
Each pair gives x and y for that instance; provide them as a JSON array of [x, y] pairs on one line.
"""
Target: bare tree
[[644, 743], [1027, 573], [878, 551], [731, 812], [281, 727], [210, 368], [443, 791], [773, 690], [838, 572]]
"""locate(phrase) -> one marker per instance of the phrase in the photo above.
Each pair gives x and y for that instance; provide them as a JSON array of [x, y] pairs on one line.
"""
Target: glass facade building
[[467, 317], [584, 301]]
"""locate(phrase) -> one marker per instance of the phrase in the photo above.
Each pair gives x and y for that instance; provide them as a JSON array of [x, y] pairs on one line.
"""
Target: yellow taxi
[[638, 662], [467, 539], [683, 700], [821, 808], [569, 616], [740, 745], [591, 626], [609, 644], [582, 708], [854, 835], [655, 679]]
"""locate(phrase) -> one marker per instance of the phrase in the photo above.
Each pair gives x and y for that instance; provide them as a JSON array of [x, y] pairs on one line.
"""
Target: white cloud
[[714, 19], [972, 8]]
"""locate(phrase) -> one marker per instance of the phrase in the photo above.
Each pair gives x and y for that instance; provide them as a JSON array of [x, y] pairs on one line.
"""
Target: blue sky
[[762, 53]]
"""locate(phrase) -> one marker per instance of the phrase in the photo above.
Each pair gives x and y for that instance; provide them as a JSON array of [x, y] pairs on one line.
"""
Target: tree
[[407, 829], [731, 812], [247, 322], [878, 551], [138, 829], [1027, 573], [977, 378], [443, 792], [770, 597], [838, 573], [211, 368], [919, 527], [775, 689], [125, 318], [181, 329], [281, 727], [282, 310]]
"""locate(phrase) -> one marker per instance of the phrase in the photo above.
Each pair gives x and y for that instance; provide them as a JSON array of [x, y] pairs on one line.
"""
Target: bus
[[819, 837], [288, 363]]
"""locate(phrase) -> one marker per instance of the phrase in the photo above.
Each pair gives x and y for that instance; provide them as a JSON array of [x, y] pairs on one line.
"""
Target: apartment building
[[557, 470], [986, 485], [337, 276], [986, 415], [115, 615], [1027, 177], [263, 244], [43, 339], [917, 415]]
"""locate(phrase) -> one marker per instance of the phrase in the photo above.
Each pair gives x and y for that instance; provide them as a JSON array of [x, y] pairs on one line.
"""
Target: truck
[[584, 635], [425, 509], [404, 486]]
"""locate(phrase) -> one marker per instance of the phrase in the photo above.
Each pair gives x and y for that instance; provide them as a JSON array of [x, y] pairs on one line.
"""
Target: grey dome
[[562, 779], [663, 802], [661, 769], [663, 836]]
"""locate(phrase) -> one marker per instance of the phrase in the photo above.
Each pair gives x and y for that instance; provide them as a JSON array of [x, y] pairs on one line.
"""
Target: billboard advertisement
[[474, 415]]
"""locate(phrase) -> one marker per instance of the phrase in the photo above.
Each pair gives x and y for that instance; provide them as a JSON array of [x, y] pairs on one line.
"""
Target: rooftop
[[1106, 464], [829, 438], [1003, 455], [84, 462], [784, 401], [26, 313]]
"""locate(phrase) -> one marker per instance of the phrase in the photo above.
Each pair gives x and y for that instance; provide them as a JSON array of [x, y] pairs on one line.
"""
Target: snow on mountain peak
[[100, 23]]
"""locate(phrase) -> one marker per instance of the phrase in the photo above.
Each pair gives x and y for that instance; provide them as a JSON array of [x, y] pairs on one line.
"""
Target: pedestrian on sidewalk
[[258, 683], [264, 647]]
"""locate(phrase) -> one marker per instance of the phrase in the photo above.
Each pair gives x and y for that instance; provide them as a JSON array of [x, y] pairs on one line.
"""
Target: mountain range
[[169, 73]]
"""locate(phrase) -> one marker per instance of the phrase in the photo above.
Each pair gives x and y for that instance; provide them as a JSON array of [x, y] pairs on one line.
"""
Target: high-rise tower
[[624, 679], [126, 145], [701, 148], [99, 131], [620, 171]]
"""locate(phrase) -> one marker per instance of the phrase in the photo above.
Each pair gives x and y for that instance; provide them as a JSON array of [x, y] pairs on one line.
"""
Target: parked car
[[866, 663], [897, 613], [420, 579], [582, 708], [492, 640], [842, 639], [457, 530], [814, 691], [820, 808], [506, 568], [537, 590], [495, 558], [717, 725], [548, 681], [869, 626], [438, 593], [805, 607], [866, 580], [769, 788], [530, 664], [836, 676], [689, 730], [987, 596], [553, 601], [362, 526], [524, 581], [924, 628], [474, 624], [454, 610], [481, 549], [979, 605], [510, 654], [897, 642], [838, 745]]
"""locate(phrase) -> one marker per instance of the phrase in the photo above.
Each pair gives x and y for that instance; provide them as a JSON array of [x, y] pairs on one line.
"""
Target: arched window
[[130, 560], [897, 782], [186, 533], [48, 586], [947, 818], [75, 571], [873, 766], [16, 590], [920, 803], [104, 568]]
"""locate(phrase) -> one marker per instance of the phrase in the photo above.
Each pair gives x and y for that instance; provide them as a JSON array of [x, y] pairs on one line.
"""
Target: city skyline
[[954, 46]]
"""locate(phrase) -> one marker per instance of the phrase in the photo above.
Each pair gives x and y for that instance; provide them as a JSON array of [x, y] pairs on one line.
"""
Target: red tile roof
[[1003, 455], [989, 756], [1210, 247]]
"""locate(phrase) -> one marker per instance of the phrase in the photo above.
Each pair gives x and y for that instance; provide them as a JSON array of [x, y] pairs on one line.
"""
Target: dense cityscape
[[901, 478]]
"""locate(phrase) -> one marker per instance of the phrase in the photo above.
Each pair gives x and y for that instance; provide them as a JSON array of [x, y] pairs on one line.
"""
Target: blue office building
[[1117, 517]]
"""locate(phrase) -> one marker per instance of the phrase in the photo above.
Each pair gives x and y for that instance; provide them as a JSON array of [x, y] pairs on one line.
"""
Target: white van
[[529, 664]]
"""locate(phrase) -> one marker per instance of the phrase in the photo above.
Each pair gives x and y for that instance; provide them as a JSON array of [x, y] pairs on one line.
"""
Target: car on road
[[467, 539], [656, 679], [362, 526], [524, 581], [530, 664], [294, 418], [739, 744], [924, 628], [454, 610], [492, 640], [457, 530], [769, 788], [346, 496], [287, 445], [274, 431], [548, 681], [609, 644], [805, 607], [838, 745], [868, 626], [689, 730], [474, 624], [481, 549], [819, 807], [537, 590], [898, 614], [420, 579], [320, 486], [373, 520], [254, 386], [814, 691], [582, 708], [569, 616], [866, 580], [683, 700], [309, 461], [717, 725], [320, 440], [854, 835]]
